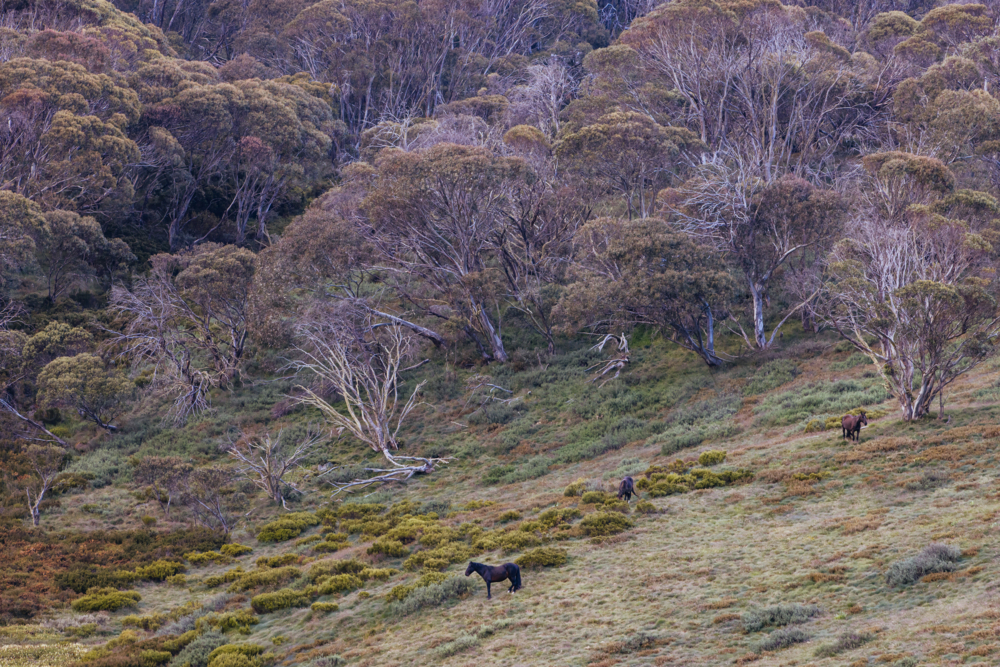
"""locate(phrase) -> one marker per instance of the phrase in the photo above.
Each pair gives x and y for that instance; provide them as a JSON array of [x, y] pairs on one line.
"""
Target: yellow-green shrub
[[595, 498], [377, 573], [399, 593], [711, 458], [287, 527], [325, 607], [158, 570], [177, 580], [106, 599], [258, 578], [479, 504], [339, 583], [440, 558], [601, 524], [225, 577], [152, 657], [205, 557], [388, 547], [436, 535], [509, 515], [832, 423], [331, 546], [239, 620], [277, 561], [149, 623], [815, 426], [553, 517], [234, 549], [645, 507], [575, 489], [543, 557], [516, 540], [236, 655], [328, 567], [266, 603], [234, 660]]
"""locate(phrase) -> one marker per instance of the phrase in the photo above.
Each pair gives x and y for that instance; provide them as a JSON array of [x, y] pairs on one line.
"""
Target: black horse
[[491, 573], [626, 489]]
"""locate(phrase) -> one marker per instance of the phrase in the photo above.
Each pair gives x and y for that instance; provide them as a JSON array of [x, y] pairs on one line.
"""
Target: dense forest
[[238, 228]]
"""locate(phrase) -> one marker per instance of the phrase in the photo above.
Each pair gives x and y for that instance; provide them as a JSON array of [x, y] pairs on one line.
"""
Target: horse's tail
[[515, 576]]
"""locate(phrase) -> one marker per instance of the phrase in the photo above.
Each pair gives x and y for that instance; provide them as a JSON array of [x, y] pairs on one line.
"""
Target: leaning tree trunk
[[757, 294], [493, 338]]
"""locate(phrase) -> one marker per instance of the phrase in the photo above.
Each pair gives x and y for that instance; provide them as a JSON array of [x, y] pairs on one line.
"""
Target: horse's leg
[[488, 594]]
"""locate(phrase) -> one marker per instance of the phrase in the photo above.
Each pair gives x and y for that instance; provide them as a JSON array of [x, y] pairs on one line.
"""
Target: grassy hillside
[[797, 549]]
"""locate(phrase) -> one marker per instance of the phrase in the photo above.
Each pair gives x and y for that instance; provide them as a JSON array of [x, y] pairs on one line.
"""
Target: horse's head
[[864, 417], [469, 570]]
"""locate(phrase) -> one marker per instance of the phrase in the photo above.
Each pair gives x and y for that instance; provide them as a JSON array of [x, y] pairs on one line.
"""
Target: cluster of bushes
[[106, 599], [238, 655], [128, 650], [158, 570], [265, 603], [287, 527], [782, 638], [543, 557], [933, 559], [277, 561], [246, 581], [234, 550], [440, 557], [325, 607], [603, 524], [206, 557], [402, 591], [339, 583], [803, 402], [238, 621], [679, 477], [845, 642]]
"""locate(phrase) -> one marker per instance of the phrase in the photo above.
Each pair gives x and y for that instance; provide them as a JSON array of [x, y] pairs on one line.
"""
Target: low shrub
[[158, 570], [770, 376], [249, 652], [645, 507], [782, 638], [575, 489], [814, 426], [595, 498], [82, 578], [265, 603], [432, 596], [149, 623], [152, 657], [206, 557], [553, 517], [935, 558], [601, 524], [777, 615], [197, 651], [442, 557], [376, 573], [259, 578], [234, 549], [400, 592], [543, 557], [239, 620], [711, 458], [845, 642], [234, 660], [106, 599], [328, 567], [277, 561], [388, 547], [325, 607], [473, 505], [226, 577], [287, 527], [509, 515], [339, 583], [177, 580]]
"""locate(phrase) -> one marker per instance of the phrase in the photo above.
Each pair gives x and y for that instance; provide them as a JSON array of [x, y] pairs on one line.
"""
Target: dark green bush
[[265, 603], [777, 616], [543, 557], [106, 599], [601, 524], [935, 558]]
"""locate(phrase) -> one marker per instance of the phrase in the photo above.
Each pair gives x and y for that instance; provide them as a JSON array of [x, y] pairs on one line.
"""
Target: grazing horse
[[626, 489], [852, 425], [491, 573]]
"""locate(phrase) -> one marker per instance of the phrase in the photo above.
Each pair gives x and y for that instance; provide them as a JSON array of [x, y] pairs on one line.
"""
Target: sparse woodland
[[304, 305]]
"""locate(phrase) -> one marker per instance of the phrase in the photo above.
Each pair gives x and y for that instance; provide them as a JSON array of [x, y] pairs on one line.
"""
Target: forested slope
[[303, 305]]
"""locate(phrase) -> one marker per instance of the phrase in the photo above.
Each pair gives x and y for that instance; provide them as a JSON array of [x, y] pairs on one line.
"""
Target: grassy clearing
[[792, 567]]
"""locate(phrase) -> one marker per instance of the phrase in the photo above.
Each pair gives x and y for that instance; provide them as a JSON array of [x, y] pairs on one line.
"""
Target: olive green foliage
[[234, 549], [159, 570], [439, 558], [196, 652], [508, 516], [543, 557], [602, 524], [328, 567], [575, 489], [236, 655], [781, 638], [106, 599], [258, 578], [711, 458], [228, 576], [401, 591], [934, 558], [265, 603], [388, 547], [324, 607], [287, 527], [239, 621], [339, 583], [377, 573], [206, 557], [432, 596], [277, 561], [595, 497]]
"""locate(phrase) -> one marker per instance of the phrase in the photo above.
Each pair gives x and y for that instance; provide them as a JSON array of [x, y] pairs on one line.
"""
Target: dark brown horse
[[626, 489], [852, 425], [491, 573]]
